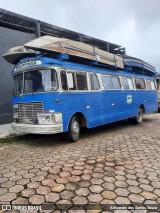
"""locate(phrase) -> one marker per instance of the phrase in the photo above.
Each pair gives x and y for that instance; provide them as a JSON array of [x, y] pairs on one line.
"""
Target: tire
[[74, 129], [138, 119]]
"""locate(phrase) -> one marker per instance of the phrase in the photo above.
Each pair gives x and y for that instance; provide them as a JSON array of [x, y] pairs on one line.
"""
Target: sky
[[133, 24]]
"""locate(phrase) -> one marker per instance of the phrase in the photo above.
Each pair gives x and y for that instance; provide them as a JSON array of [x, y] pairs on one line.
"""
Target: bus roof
[[44, 62]]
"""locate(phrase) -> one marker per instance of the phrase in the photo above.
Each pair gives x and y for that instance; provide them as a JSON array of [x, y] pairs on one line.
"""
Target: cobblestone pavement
[[114, 164]]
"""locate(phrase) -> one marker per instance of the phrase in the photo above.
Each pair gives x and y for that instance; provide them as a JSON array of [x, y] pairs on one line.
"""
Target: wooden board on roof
[[66, 46]]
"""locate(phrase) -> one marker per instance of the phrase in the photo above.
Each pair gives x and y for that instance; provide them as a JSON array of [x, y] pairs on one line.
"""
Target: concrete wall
[[8, 39]]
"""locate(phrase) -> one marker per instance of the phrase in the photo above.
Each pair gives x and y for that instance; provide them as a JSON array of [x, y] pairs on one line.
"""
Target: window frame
[[130, 79], [92, 73], [144, 83], [151, 85], [112, 82], [74, 71], [81, 73], [32, 70]]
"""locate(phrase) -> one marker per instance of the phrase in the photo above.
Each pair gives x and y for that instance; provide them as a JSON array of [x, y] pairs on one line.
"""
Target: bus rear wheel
[[74, 129], [138, 119]]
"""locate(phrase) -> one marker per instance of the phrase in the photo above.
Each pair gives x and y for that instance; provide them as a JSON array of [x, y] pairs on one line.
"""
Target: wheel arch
[[81, 117], [142, 107]]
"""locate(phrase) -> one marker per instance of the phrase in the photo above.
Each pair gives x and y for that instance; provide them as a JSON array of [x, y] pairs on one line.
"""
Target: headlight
[[50, 118], [45, 119]]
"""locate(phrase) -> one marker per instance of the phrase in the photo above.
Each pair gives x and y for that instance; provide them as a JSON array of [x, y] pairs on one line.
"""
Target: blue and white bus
[[53, 96]]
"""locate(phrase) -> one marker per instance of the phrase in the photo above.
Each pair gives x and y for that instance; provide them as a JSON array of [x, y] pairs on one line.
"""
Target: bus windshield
[[36, 81]]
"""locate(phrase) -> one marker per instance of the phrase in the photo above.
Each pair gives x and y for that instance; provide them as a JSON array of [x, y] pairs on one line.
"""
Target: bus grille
[[27, 112]]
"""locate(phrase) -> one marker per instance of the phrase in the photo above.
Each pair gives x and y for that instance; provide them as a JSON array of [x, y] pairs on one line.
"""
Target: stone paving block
[[52, 197], [37, 178], [108, 186], [58, 188], [146, 187], [122, 200], [34, 185], [97, 181], [43, 190], [15, 177], [21, 201], [67, 194], [48, 182], [72, 186], [82, 192], [28, 192], [3, 191], [122, 192], [23, 181], [37, 199], [80, 200], [96, 189], [149, 195], [121, 184], [110, 195], [7, 197], [16, 188], [8, 184], [95, 198], [62, 180], [156, 185], [9, 174], [135, 198]]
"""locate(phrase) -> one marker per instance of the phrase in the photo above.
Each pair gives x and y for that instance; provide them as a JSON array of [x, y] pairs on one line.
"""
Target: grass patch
[[46, 176], [18, 194], [9, 139]]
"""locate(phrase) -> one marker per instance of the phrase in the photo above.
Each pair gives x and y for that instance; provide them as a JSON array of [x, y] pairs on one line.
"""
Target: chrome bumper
[[22, 129]]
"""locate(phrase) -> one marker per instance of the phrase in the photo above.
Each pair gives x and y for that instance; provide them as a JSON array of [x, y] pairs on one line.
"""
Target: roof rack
[[25, 24], [137, 65]]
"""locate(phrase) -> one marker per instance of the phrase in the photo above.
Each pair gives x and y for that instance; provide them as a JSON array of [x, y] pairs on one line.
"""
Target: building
[[15, 31]]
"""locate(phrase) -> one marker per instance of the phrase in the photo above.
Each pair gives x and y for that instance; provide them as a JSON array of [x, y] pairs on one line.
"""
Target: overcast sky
[[134, 24]]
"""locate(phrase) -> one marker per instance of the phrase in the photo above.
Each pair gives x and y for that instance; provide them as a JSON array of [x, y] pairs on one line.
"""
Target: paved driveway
[[113, 164]]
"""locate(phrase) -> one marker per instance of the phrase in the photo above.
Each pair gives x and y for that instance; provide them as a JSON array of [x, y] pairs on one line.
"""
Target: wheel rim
[[76, 128]]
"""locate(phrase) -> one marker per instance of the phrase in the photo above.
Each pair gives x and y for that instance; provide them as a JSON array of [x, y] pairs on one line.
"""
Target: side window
[[54, 84], [74, 81], [111, 82], [140, 83], [64, 80], [148, 83], [153, 86], [94, 82], [81, 81], [116, 82], [107, 82], [127, 83]]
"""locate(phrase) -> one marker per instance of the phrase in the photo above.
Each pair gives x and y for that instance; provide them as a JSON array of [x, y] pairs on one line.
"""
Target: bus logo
[[129, 99]]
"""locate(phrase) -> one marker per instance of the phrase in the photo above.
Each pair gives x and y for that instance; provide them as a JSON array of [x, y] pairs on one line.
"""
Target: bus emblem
[[129, 99]]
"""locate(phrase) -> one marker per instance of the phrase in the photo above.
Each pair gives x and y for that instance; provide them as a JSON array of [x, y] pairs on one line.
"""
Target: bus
[[158, 88], [54, 96]]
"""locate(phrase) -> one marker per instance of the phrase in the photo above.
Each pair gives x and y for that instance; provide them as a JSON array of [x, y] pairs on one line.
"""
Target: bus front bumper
[[23, 129]]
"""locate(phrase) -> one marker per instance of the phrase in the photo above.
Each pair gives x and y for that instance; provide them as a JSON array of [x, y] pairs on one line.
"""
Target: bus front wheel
[[74, 129], [139, 118]]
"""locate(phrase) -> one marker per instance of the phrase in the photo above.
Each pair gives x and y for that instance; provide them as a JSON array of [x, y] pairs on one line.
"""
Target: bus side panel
[[151, 101], [70, 103]]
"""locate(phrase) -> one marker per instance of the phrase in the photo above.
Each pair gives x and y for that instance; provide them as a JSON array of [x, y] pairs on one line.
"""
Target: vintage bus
[[158, 88], [54, 96]]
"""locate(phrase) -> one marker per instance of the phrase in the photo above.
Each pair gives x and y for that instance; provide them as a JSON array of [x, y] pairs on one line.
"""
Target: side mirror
[[70, 80]]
